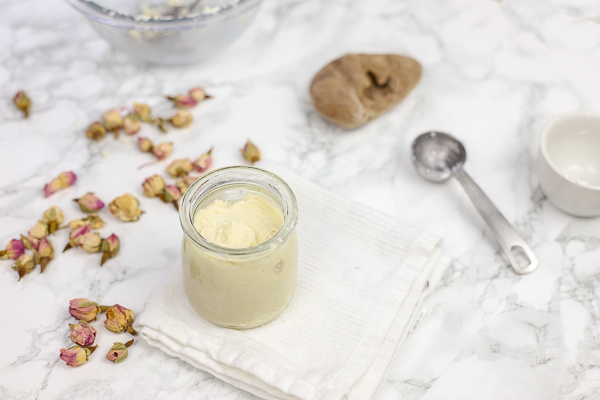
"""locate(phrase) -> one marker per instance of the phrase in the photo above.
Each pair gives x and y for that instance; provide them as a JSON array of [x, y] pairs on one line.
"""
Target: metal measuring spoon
[[437, 156]]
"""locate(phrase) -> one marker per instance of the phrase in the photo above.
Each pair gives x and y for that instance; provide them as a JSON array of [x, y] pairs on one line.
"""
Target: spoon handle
[[510, 241]]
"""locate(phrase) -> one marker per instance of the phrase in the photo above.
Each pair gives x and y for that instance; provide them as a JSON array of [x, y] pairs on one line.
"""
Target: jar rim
[[290, 211]]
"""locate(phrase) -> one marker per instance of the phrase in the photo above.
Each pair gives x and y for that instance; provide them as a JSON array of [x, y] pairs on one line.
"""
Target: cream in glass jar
[[239, 250]]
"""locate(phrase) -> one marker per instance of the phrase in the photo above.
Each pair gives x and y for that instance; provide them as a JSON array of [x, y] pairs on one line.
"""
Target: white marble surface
[[494, 73]]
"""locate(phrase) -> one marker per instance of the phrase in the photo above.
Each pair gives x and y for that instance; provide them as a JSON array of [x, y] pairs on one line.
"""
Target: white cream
[[239, 224]]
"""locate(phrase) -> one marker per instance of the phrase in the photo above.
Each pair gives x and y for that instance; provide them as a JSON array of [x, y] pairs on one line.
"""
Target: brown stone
[[356, 88]]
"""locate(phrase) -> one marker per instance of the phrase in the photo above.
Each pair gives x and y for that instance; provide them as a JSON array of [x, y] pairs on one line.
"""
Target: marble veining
[[495, 71]]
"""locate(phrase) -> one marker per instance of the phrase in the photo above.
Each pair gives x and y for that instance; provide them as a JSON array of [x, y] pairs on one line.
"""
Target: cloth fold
[[362, 277]]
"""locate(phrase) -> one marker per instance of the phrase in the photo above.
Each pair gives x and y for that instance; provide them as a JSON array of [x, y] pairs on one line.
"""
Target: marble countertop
[[494, 73]]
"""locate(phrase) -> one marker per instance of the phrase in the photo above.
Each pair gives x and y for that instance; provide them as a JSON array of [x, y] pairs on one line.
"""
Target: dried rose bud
[[44, 253], [63, 181], [184, 183], [110, 248], [204, 162], [145, 144], [180, 167], [126, 208], [113, 121], [93, 220], [22, 102], [53, 217], [27, 242], [90, 242], [96, 131], [162, 150], [76, 233], [181, 119], [118, 352], [183, 101], [153, 186], [89, 203], [86, 310], [83, 333], [161, 124], [143, 111], [171, 194], [14, 249], [198, 94], [23, 265], [39, 231], [76, 355], [119, 319], [250, 152], [132, 124]]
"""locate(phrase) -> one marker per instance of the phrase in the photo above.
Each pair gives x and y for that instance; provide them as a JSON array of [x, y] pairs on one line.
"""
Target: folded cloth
[[362, 276]]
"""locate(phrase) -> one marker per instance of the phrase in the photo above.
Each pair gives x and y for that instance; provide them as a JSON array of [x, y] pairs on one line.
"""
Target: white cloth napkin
[[362, 276]]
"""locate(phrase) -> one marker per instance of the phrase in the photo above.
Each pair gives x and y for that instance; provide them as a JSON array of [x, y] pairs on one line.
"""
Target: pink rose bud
[[23, 265], [181, 119], [30, 242], [171, 195], [93, 220], [184, 183], [89, 203], [180, 167], [145, 144], [110, 248], [204, 162], [14, 249], [76, 233], [153, 186], [113, 121], [96, 131], [53, 217], [84, 309], [183, 101], [76, 355], [79, 230], [90, 242], [143, 111], [67, 178], [63, 181], [161, 124], [39, 231], [54, 186], [162, 150], [132, 124], [44, 253], [22, 102], [83, 333], [119, 319], [250, 152], [118, 352], [126, 208], [198, 94]]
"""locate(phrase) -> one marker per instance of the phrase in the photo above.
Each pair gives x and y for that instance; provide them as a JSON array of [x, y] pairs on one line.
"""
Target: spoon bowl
[[437, 155]]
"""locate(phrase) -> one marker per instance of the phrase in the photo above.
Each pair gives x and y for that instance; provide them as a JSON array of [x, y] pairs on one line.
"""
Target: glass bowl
[[169, 32]]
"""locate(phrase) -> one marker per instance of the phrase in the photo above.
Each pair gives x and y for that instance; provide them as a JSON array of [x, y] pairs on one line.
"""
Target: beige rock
[[356, 88]]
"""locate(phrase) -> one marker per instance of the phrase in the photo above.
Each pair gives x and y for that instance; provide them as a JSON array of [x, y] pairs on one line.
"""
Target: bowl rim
[[544, 145], [98, 13]]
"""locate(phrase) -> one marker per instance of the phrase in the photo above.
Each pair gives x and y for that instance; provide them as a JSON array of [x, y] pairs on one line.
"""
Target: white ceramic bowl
[[569, 163]]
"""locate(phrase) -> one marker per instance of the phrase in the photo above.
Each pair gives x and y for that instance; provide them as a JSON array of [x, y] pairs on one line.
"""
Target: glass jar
[[239, 287]]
